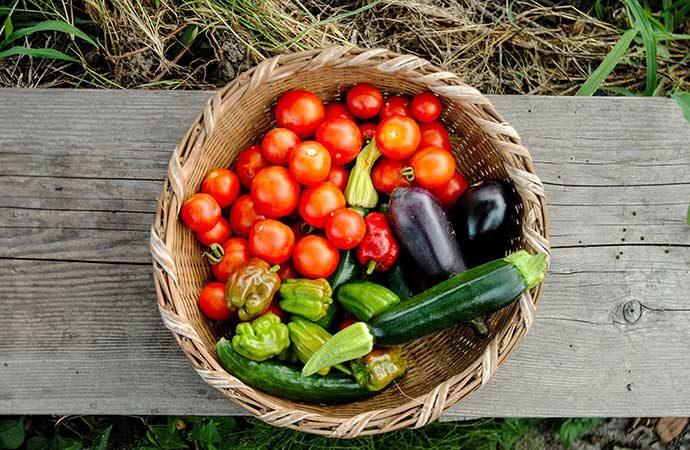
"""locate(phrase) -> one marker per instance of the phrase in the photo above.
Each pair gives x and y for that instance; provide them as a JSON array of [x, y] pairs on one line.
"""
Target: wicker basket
[[445, 367]]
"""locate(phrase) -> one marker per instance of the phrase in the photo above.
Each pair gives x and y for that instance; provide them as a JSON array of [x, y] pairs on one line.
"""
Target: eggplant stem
[[214, 253]]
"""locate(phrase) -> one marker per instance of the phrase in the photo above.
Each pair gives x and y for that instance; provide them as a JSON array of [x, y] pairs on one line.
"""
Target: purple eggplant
[[423, 229], [486, 218]]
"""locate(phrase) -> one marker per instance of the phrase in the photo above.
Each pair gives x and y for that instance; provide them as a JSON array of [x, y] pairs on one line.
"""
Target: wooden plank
[[80, 333]]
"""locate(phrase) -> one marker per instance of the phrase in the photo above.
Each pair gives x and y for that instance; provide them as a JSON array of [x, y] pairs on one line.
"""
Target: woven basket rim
[[420, 410]]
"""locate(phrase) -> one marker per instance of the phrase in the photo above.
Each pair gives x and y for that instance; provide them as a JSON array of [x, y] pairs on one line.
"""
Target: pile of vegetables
[[346, 232]]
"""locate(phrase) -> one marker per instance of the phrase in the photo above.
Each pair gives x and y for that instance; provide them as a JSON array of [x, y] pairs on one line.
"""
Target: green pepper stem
[[353, 342], [214, 253], [531, 267], [371, 267], [408, 173]]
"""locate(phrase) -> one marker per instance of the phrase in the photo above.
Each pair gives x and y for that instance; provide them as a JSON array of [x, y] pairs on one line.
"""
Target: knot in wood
[[632, 311]]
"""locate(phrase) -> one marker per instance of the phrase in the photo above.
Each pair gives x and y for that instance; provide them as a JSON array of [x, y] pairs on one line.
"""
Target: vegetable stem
[[531, 267], [214, 253]]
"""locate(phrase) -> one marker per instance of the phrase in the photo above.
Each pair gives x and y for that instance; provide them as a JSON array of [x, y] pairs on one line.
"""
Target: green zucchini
[[465, 296], [348, 270], [469, 294], [286, 381]]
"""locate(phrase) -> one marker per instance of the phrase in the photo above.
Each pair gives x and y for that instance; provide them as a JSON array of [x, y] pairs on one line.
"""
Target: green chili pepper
[[360, 189], [306, 338], [307, 298], [352, 342], [261, 339], [379, 368], [365, 299]]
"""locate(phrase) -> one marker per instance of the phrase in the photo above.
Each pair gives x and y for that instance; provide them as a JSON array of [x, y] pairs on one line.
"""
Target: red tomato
[[200, 212], [271, 241], [275, 309], [348, 320], [342, 138], [395, 105], [212, 302], [223, 185], [249, 162], [218, 234], [426, 107], [310, 162], [300, 111], [434, 134], [338, 177], [345, 228], [397, 137], [315, 257], [287, 270], [243, 216], [386, 175], [433, 167], [368, 130], [364, 100], [335, 110], [275, 192], [318, 202], [277, 145], [449, 193], [235, 254]]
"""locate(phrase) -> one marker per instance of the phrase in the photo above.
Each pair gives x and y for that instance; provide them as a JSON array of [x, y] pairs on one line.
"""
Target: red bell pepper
[[379, 249]]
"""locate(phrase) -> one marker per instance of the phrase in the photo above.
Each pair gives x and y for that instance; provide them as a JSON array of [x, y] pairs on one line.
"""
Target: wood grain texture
[[80, 332]]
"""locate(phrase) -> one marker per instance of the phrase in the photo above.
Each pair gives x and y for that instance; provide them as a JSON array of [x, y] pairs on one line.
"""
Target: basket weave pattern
[[445, 367]]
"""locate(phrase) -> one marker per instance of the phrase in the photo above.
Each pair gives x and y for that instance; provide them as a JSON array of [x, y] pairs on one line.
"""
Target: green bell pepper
[[379, 368], [307, 298], [365, 299], [261, 339]]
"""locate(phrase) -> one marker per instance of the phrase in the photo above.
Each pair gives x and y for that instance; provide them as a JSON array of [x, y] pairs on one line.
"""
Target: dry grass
[[522, 47]]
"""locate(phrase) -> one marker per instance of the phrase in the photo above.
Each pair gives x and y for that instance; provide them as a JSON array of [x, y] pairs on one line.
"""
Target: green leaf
[[8, 27], [641, 23], [599, 9], [101, 441], [11, 433], [47, 53], [573, 429], [190, 33], [61, 443], [38, 443], [165, 438], [683, 100], [607, 65], [668, 17], [52, 25]]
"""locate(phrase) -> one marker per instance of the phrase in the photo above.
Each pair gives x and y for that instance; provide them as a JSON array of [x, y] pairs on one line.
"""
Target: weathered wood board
[[80, 332]]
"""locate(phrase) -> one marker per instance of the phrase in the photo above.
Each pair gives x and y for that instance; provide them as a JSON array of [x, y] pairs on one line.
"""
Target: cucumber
[[465, 296], [286, 381]]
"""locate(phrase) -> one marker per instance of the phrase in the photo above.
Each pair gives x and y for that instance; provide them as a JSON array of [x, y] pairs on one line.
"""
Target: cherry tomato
[[449, 193], [342, 138], [335, 110], [271, 241], [364, 100], [434, 134], [287, 270], [200, 212], [315, 257], [318, 202], [218, 234], [433, 167], [223, 185], [212, 302], [426, 107], [338, 177], [277, 145], [345, 228], [368, 130], [273, 308], [243, 216], [249, 162], [275, 192], [348, 320], [397, 136], [235, 254], [310, 162], [386, 175], [300, 111], [395, 105]]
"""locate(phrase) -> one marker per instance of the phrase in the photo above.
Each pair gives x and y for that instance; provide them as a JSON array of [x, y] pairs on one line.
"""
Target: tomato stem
[[408, 173], [214, 253]]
